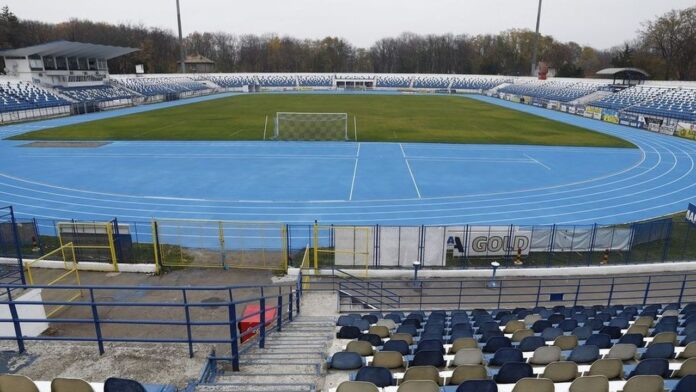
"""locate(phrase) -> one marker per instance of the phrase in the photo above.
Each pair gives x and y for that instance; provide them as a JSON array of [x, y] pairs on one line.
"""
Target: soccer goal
[[310, 126]]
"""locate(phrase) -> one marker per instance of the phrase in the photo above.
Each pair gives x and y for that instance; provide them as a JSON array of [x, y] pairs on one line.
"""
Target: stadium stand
[[18, 95], [315, 80], [394, 81], [151, 86], [475, 350], [563, 91], [675, 103], [478, 82], [432, 82], [277, 80], [19, 383], [228, 80], [629, 97], [96, 93]]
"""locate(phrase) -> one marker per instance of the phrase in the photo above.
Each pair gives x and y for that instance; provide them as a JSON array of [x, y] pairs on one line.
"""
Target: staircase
[[292, 360]]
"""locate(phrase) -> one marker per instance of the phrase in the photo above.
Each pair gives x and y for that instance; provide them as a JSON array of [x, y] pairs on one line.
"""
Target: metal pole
[[536, 39], [182, 56]]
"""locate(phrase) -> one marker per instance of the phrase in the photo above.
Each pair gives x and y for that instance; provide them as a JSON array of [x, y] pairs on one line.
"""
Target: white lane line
[[536, 161], [352, 183], [415, 184], [357, 155]]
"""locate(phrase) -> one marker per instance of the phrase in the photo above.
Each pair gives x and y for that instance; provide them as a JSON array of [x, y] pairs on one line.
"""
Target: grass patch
[[380, 118]]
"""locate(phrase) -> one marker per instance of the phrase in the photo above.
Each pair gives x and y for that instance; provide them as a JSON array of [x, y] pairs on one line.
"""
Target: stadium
[[238, 212]]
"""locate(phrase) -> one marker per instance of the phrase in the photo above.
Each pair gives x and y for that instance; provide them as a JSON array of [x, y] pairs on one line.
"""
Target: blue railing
[[196, 315], [527, 292]]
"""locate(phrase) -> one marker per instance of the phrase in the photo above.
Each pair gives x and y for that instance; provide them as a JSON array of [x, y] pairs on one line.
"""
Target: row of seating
[[95, 93], [151, 86], [19, 95], [557, 90], [19, 383]]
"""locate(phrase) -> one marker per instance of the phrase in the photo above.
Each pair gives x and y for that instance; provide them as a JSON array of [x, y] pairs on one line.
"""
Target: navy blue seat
[[370, 318], [664, 327], [511, 372], [374, 340], [430, 345], [633, 338], [540, 325], [362, 324], [691, 337], [478, 386], [346, 361], [583, 333], [491, 334], [393, 317], [652, 367], [619, 322], [506, 354], [686, 384], [595, 323], [428, 358], [495, 343], [345, 321], [463, 333], [613, 332], [409, 329], [432, 336], [411, 321], [604, 316], [549, 334], [502, 313], [418, 315], [584, 354], [659, 350], [348, 332], [568, 325], [400, 346], [461, 327], [531, 343], [488, 326], [600, 340], [379, 376], [114, 384], [556, 318]]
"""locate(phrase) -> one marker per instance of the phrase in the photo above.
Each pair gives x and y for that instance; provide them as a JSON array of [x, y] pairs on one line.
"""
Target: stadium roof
[[616, 71], [69, 49]]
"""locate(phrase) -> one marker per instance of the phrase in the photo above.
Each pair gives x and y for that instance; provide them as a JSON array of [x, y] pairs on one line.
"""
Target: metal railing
[[369, 293], [517, 292], [195, 315]]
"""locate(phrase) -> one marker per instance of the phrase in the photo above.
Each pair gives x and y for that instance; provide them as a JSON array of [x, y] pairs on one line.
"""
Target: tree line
[[665, 47]]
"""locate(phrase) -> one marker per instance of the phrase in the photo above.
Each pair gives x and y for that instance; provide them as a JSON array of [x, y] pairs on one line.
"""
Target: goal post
[[310, 126]]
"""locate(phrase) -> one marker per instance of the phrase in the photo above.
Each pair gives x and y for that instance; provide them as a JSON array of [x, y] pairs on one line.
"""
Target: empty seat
[[114, 384], [495, 343], [478, 386], [346, 361], [16, 383], [427, 345], [421, 373], [461, 343], [370, 318], [419, 386], [520, 334], [665, 337], [584, 354], [659, 350], [589, 383], [641, 329], [633, 338], [550, 334], [511, 372], [388, 359], [644, 384], [361, 324], [688, 352], [468, 372], [566, 342], [407, 329], [506, 354], [348, 332], [545, 355], [514, 325], [395, 317], [399, 346], [362, 348], [686, 384], [357, 386], [531, 343], [379, 330], [563, 371], [468, 356], [428, 358], [345, 321], [583, 332], [568, 325], [533, 385], [612, 369], [408, 338], [651, 367], [70, 385], [372, 338], [600, 340], [622, 351], [687, 368], [540, 325], [531, 319], [613, 332], [378, 376]]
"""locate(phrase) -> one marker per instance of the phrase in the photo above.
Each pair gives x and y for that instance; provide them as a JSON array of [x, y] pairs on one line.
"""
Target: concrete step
[[256, 388]]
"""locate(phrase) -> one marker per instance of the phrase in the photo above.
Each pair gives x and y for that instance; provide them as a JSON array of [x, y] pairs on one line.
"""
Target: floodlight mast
[[182, 56], [536, 40]]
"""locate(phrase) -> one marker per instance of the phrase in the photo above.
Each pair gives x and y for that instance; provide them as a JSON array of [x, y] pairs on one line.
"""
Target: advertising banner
[[691, 214], [593, 112], [610, 116], [482, 241], [686, 130]]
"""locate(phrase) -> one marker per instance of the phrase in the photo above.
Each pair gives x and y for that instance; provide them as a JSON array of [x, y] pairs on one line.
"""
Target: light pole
[[492, 283], [182, 55], [536, 40]]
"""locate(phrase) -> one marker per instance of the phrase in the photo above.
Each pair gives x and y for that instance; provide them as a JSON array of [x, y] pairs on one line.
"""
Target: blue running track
[[351, 183]]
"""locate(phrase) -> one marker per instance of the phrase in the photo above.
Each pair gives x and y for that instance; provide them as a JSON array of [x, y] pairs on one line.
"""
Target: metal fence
[[11, 271], [166, 314], [469, 294], [377, 246]]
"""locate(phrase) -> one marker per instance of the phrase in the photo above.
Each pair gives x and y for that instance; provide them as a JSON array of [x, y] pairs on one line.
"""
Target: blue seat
[[348, 332], [409, 329], [478, 386], [613, 332], [370, 318], [540, 325], [652, 367], [362, 324], [600, 340], [551, 333], [686, 384], [379, 376], [595, 323], [491, 334], [633, 338], [584, 354], [114, 384], [531, 343], [496, 343], [511, 372], [583, 333], [345, 321], [399, 346], [430, 345], [411, 321], [619, 322], [374, 340], [659, 350], [568, 325], [506, 354], [346, 361], [394, 317], [556, 318], [428, 358]]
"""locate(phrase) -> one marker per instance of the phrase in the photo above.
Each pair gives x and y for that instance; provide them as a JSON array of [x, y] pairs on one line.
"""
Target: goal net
[[311, 126]]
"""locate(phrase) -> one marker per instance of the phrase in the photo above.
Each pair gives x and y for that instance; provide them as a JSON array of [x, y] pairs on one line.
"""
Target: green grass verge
[[380, 118]]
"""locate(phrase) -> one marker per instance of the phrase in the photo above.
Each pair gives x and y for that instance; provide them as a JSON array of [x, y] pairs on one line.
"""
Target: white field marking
[[536, 161], [188, 156], [352, 183], [357, 154], [482, 160], [415, 185]]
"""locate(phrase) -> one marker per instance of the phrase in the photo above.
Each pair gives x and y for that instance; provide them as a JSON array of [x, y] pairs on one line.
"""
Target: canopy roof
[[69, 49], [619, 71]]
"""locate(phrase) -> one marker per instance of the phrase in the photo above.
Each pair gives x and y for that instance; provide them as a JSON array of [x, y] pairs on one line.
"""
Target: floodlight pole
[[182, 56], [536, 40]]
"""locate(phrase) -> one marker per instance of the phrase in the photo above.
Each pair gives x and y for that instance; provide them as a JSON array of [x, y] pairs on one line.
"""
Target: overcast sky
[[600, 23]]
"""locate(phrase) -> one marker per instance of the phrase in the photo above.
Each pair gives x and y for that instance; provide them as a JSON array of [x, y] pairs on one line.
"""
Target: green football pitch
[[379, 118]]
